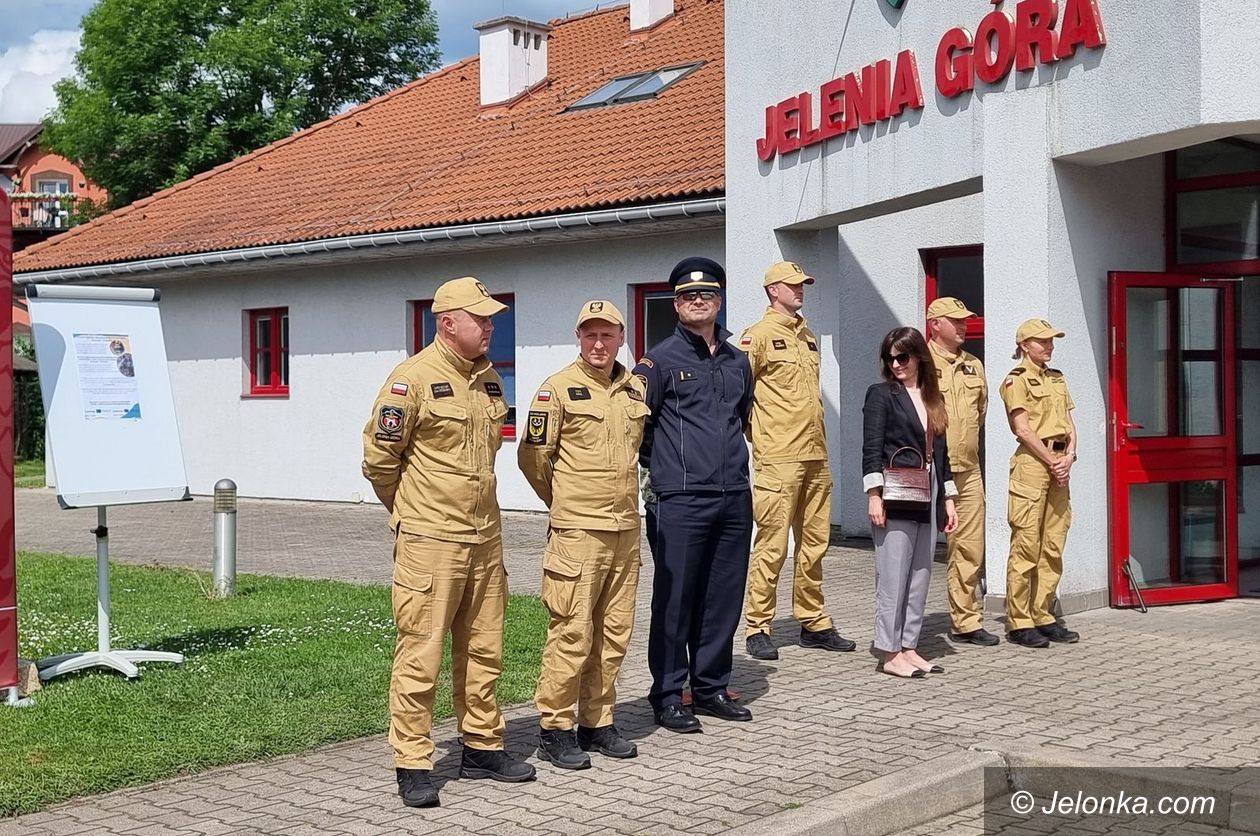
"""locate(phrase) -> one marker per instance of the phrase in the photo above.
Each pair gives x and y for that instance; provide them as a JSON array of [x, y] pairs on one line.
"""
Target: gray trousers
[[903, 571]]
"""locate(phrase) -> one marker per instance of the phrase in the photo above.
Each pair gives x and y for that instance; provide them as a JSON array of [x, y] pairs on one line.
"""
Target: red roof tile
[[427, 155]]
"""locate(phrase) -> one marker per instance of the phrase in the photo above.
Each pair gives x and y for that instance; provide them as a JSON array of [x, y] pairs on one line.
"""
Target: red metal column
[[8, 566]]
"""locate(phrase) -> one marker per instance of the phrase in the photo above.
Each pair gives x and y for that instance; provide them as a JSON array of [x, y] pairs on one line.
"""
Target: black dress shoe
[[827, 639], [720, 705], [678, 718], [981, 637], [606, 740], [760, 647], [416, 788], [560, 748], [1056, 632], [1028, 638], [496, 764]]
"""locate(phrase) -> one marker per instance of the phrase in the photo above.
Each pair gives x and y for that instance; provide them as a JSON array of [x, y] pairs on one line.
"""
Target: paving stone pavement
[[1169, 687]]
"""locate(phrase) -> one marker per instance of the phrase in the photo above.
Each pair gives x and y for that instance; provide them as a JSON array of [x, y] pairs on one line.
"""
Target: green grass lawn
[[28, 473], [284, 666]]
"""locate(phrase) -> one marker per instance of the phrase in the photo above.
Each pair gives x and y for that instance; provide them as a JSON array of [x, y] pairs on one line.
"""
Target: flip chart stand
[[123, 661]]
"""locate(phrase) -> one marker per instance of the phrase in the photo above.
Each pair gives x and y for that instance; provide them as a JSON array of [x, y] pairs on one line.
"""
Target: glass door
[[1248, 360], [1173, 426]]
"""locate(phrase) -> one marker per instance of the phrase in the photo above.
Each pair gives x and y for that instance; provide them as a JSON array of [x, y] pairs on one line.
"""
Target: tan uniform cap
[[948, 307], [1036, 329], [466, 294], [601, 309], [788, 272]]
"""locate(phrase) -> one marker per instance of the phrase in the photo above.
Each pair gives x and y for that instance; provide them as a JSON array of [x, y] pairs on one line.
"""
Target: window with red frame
[[502, 353], [269, 351], [959, 272], [654, 315]]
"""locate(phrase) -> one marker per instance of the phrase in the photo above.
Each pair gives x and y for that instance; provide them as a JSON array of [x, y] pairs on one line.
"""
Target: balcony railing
[[50, 212]]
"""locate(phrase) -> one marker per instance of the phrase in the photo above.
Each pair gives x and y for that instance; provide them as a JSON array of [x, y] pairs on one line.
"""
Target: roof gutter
[[548, 223]]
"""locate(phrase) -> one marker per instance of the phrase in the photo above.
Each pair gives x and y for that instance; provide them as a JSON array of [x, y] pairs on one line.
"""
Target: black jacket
[[889, 422], [694, 438]]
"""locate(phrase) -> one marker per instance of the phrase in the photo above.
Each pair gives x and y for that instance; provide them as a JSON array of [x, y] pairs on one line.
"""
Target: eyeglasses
[[902, 359], [693, 295]]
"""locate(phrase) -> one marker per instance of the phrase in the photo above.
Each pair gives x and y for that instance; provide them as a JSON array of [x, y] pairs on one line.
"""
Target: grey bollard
[[224, 538]]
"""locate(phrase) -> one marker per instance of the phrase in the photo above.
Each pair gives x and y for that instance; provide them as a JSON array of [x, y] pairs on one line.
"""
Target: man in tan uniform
[[961, 378], [1039, 409], [791, 474], [428, 451], [581, 456]]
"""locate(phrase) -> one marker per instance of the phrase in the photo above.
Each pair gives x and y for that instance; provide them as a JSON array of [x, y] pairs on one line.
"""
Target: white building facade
[[1020, 155]]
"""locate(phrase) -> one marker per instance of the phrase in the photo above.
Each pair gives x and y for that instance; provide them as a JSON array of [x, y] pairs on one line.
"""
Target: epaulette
[[1053, 373], [1018, 370]]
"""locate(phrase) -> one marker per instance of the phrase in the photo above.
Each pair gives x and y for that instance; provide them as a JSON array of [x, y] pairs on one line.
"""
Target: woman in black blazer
[[905, 410]]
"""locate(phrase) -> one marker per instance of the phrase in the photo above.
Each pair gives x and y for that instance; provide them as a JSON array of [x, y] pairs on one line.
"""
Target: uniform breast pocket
[[585, 425], [973, 389], [444, 425], [496, 413], [636, 413]]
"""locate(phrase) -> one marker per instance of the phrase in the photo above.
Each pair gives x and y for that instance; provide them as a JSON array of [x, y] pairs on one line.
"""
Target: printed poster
[[107, 376]]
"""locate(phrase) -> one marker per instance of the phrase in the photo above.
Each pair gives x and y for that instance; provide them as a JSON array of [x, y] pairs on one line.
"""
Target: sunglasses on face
[[902, 359], [693, 295]]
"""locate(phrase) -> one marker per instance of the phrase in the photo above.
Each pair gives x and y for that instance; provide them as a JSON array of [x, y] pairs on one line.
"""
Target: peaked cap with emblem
[[788, 272], [697, 273], [1036, 329], [466, 294], [601, 309], [948, 307]]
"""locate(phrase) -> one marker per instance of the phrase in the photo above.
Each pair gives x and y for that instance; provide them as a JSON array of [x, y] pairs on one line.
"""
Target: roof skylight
[[634, 88]]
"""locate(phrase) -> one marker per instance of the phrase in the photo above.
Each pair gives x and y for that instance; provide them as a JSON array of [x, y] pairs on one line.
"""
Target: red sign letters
[[884, 90]]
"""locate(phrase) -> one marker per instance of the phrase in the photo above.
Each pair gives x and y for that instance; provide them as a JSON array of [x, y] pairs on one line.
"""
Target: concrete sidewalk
[[1174, 686]]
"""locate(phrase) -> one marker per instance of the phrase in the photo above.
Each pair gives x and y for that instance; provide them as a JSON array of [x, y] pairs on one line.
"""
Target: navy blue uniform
[[693, 443]]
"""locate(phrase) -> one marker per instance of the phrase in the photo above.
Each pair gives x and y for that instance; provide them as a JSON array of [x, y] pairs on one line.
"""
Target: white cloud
[[29, 70]]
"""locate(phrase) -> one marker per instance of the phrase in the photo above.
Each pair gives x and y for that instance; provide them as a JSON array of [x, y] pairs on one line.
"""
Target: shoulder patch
[[579, 393], [646, 361], [543, 395], [398, 388], [390, 420], [442, 390], [536, 428], [746, 340], [1010, 381]]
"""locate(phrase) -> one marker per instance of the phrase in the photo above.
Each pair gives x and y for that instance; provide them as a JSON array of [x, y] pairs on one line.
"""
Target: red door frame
[[1147, 460], [931, 284], [8, 560], [641, 293]]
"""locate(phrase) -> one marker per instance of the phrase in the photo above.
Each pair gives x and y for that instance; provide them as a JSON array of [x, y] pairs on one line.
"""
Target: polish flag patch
[[544, 395], [746, 341], [398, 389]]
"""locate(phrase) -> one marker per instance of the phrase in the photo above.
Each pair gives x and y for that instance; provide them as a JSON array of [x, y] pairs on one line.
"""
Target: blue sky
[[37, 46]]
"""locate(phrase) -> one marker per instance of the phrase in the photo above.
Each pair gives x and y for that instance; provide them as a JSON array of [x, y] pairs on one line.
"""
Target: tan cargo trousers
[[1039, 512], [590, 580], [966, 552], [440, 587], [795, 497]]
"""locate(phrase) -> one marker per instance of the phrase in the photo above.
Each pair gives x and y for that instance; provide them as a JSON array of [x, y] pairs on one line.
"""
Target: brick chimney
[[513, 57], [644, 14]]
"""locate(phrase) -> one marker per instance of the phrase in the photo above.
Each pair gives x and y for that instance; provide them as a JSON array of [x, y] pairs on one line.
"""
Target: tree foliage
[[166, 89]]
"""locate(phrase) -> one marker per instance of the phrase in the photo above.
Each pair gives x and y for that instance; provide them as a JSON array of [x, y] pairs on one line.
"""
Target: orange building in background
[[45, 188]]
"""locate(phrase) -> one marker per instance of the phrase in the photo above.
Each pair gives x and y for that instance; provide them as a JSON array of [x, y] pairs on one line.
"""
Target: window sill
[[264, 396]]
